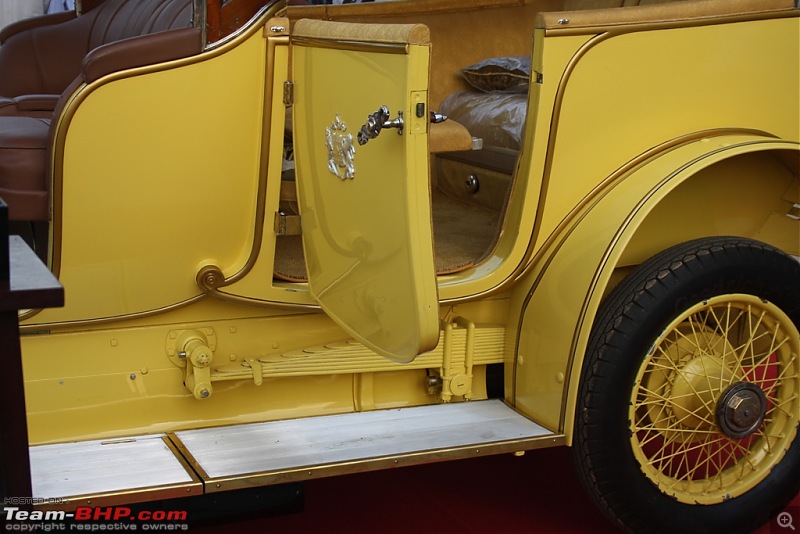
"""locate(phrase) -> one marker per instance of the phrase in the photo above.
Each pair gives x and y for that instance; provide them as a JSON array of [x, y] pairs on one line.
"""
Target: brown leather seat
[[42, 56], [23, 148], [41, 59]]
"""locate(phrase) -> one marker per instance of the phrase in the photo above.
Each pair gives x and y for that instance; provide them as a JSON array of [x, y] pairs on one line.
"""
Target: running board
[[225, 458], [108, 472]]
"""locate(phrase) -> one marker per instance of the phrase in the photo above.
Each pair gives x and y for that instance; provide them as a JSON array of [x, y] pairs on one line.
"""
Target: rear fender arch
[[626, 224]]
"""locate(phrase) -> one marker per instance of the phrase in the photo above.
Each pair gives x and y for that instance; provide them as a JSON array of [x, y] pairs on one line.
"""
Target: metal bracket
[[288, 93], [194, 351], [287, 224], [456, 380]]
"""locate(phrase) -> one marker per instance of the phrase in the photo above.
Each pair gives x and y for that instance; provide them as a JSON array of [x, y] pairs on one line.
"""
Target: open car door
[[361, 154]]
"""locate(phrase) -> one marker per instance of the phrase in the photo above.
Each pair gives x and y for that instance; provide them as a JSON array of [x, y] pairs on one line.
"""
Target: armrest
[[450, 136], [140, 51], [34, 22], [37, 102], [28, 105], [415, 34]]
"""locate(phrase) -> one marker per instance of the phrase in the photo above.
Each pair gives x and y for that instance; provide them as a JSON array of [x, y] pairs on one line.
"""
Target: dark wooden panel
[[225, 17]]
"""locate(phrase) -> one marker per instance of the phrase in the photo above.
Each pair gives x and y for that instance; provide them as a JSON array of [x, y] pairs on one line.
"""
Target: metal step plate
[[110, 472], [299, 449], [191, 462]]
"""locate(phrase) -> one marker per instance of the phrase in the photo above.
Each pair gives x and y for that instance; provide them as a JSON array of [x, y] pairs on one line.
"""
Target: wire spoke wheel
[[714, 405], [689, 403]]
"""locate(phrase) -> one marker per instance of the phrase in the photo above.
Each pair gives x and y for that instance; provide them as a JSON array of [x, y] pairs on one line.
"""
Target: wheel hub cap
[[741, 410], [695, 387]]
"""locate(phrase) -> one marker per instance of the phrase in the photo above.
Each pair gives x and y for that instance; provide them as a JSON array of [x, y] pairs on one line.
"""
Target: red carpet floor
[[536, 493]]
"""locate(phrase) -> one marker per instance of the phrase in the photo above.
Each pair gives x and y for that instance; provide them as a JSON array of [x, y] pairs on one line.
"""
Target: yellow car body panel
[[208, 254], [573, 186], [587, 253], [203, 185], [214, 195], [645, 127]]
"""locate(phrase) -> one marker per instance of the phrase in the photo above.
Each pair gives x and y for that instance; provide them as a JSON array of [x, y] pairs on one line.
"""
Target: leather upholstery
[[23, 145], [57, 50], [43, 60], [35, 105]]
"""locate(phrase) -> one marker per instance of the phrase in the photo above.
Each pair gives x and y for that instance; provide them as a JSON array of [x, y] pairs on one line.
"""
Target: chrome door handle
[[378, 121]]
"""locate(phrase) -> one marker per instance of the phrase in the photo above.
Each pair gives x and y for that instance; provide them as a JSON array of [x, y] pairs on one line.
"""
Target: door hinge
[[287, 224], [288, 93]]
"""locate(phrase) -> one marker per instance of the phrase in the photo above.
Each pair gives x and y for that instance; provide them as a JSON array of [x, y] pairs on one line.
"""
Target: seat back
[[122, 19], [46, 59]]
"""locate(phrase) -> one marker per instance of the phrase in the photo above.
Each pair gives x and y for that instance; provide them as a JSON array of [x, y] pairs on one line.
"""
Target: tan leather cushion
[[417, 34], [448, 136], [23, 162]]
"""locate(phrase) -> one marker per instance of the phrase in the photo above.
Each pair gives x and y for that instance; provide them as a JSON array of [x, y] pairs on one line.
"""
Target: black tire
[[642, 446]]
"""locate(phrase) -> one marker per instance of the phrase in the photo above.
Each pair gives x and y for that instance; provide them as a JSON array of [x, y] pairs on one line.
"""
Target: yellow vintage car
[[301, 241]]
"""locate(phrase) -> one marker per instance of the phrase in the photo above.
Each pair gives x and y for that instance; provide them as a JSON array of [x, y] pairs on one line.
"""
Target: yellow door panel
[[365, 208]]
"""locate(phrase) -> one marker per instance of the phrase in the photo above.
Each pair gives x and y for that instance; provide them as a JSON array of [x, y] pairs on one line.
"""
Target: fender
[[625, 224]]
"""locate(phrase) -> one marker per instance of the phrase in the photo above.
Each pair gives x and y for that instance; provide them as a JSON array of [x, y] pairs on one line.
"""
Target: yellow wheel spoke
[[782, 406], [666, 401]]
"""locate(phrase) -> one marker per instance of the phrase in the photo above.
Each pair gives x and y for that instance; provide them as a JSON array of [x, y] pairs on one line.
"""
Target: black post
[[4, 264], [25, 283]]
